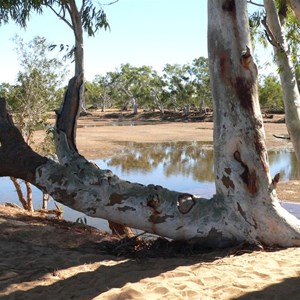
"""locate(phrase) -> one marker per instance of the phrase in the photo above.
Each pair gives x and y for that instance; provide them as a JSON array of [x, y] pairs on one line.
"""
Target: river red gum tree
[[245, 207], [275, 27]]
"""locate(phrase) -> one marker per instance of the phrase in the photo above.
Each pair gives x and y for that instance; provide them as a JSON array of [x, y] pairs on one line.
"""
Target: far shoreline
[[96, 139]]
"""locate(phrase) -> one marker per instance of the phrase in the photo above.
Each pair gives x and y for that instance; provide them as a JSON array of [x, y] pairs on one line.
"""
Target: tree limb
[[110, 3], [270, 36], [16, 157], [61, 17], [256, 4], [82, 7], [67, 120]]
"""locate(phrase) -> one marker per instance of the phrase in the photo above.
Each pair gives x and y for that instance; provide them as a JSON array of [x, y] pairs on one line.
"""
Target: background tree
[[132, 85], [282, 32], [36, 93], [104, 82], [200, 79], [38, 85], [92, 94], [158, 92], [86, 17], [270, 93], [179, 86], [188, 84]]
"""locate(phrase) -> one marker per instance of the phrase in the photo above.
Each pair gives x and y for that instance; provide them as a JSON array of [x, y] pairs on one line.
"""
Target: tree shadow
[[287, 289], [34, 248]]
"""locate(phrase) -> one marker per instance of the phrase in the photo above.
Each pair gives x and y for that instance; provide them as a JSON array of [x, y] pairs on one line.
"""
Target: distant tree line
[[178, 87]]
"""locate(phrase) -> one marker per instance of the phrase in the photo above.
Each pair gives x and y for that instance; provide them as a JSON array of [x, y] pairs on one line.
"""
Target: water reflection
[[178, 158], [180, 166], [119, 123], [187, 160], [285, 163]]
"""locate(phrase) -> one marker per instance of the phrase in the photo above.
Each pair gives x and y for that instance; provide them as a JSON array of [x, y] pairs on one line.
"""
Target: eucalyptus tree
[[245, 207], [282, 32], [132, 85], [86, 17], [179, 85], [200, 81], [158, 92], [275, 22], [79, 16], [36, 92], [105, 90], [189, 84], [270, 93]]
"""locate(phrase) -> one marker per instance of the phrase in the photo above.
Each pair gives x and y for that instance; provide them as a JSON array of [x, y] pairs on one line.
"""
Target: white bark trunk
[[134, 105], [79, 50], [241, 166], [290, 91]]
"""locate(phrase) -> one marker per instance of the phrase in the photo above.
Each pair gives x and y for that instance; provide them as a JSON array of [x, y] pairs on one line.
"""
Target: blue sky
[[143, 32]]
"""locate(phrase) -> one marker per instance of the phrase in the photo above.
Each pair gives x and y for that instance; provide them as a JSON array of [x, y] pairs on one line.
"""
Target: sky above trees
[[148, 32]]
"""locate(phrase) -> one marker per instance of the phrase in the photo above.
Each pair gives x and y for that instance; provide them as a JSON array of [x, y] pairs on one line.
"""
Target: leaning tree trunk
[[245, 207], [19, 192], [66, 136], [290, 91]]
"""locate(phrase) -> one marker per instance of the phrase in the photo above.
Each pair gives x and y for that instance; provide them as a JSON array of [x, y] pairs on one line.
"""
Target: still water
[[181, 166]]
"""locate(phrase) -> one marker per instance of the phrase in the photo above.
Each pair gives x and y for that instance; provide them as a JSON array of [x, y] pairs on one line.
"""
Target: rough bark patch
[[229, 5], [156, 218], [126, 208], [227, 182], [249, 178], [243, 88], [116, 199], [227, 170]]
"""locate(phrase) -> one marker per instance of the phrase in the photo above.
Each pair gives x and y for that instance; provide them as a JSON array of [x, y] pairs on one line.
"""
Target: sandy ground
[[43, 258], [50, 259]]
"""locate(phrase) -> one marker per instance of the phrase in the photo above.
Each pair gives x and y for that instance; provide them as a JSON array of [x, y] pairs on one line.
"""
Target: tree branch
[[17, 159], [110, 3], [66, 121], [61, 17], [270, 36], [257, 4], [82, 7]]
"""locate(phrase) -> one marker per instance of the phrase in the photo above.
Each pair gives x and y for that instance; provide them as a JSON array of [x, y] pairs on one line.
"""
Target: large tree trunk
[[245, 207], [241, 166], [290, 91]]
